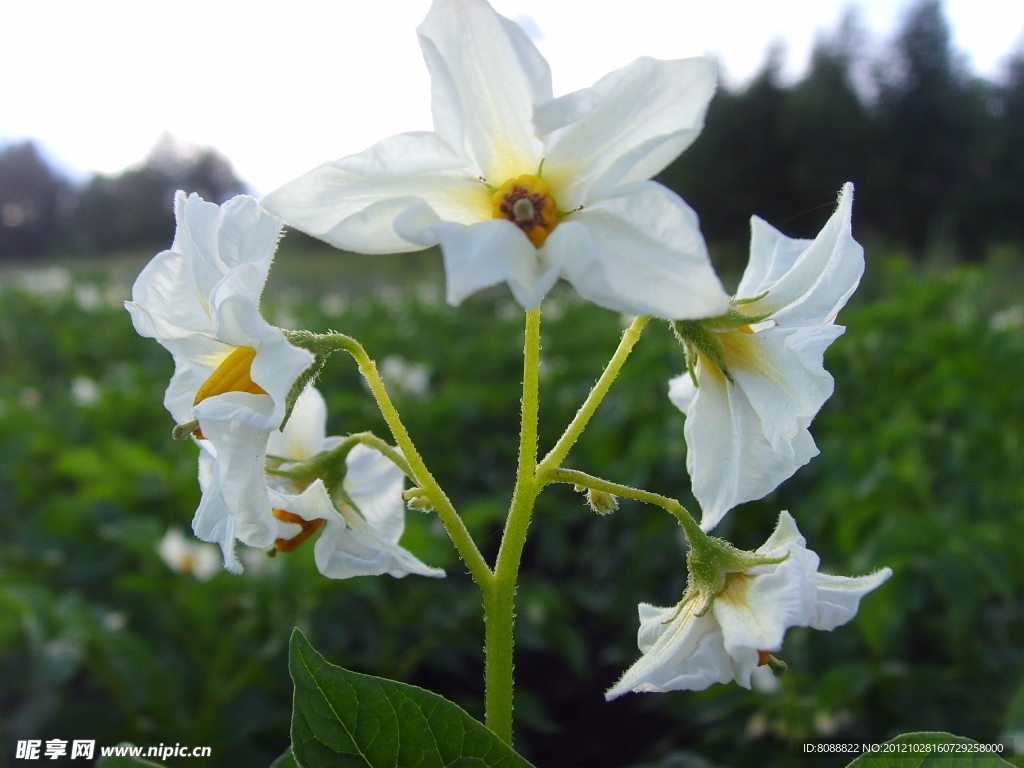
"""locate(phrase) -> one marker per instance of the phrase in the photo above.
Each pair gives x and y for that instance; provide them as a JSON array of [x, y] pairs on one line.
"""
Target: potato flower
[[523, 188], [721, 637], [756, 377], [232, 369], [362, 538]]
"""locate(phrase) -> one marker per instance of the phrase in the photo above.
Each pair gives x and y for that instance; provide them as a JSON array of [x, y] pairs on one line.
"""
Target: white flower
[[476, 184], [188, 557], [693, 645], [361, 540], [232, 369], [200, 300], [746, 421]]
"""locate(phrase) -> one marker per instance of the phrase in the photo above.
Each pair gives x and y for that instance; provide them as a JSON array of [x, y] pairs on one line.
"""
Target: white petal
[[312, 504], [727, 455], [839, 597], [681, 391], [639, 252], [358, 549], [375, 484], [277, 363], [166, 303], [684, 653], [625, 128], [489, 253], [237, 483], [303, 436], [352, 203], [822, 278], [784, 538], [755, 610], [781, 372], [195, 358], [486, 79], [772, 255], [212, 521]]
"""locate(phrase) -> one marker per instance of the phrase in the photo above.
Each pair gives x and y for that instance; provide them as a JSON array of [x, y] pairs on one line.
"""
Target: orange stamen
[[309, 527], [234, 374]]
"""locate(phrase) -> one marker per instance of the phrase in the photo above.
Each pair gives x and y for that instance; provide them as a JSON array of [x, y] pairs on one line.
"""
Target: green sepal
[[733, 320], [903, 752], [698, 339], [711, 559], [740, 302], [341, 719]]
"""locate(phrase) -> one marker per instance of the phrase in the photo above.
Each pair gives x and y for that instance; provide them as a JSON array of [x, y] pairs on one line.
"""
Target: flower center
[[309, 527], [232, 375], [527, 202]]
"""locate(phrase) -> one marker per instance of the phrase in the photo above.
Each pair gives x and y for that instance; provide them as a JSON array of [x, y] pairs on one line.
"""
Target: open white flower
[[361, 539], [232, 369], [693, 645], [519, 187], [748, 414]]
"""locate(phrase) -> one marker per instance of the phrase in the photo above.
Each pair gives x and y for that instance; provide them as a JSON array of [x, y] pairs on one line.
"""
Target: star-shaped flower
[[756, 376], [718, 638], [523, 188]]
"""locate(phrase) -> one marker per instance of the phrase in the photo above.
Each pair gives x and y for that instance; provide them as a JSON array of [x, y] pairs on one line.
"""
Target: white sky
[[280, 87]]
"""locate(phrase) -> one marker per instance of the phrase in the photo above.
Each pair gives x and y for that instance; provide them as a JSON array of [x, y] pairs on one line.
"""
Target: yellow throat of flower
[[232, 375], [527, 202]]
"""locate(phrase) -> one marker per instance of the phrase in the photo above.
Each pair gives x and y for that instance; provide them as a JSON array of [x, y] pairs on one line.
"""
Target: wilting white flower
[[747, 418], [188, 557], [692, 645], [523, 188], [361, 539]]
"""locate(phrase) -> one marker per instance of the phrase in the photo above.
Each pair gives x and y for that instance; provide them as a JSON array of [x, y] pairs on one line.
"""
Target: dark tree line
[[937, 156], [42, 213]]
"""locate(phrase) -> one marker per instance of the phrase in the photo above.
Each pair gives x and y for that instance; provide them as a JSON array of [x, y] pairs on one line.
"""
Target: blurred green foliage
[[920, 470]]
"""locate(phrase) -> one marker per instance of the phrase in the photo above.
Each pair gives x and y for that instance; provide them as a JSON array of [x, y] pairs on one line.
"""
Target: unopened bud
[[420, 504], [184, 431], [601, 502]]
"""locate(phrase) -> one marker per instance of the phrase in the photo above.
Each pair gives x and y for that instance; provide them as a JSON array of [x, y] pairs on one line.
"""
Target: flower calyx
[[700, 338], [716, 566], [527, 202]]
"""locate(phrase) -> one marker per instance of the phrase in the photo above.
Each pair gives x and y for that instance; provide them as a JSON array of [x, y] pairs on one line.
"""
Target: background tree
[[32, 201]]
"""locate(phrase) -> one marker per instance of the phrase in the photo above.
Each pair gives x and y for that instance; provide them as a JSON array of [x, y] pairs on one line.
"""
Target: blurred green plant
[[920, 470]]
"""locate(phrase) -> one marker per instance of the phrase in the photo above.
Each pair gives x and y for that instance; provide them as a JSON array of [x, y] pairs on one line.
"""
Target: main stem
[[499, 597]]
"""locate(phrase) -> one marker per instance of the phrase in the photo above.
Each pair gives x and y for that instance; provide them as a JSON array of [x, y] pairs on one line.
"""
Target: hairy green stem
[[499, 601], [690, 526], [323, 345], [555, 456]]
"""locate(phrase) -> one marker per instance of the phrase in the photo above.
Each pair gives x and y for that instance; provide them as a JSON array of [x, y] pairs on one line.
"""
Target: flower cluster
[[233, 374], [519, 187]]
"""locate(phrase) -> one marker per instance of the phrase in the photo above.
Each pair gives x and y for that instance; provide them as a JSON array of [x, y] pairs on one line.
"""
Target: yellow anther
[[309, 527], [232, 375], [527, 202]]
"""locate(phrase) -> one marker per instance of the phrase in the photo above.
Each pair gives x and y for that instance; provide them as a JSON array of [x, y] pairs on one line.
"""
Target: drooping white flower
[[233, 370], [200, 300], [188, 557], [693, 645], [747, 417], [523, 188], [361, 539]]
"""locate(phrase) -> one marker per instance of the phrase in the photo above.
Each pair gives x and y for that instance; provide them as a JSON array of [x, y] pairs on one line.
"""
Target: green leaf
[[119, 761], [900, 753], [286, 760], [342, 719]]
